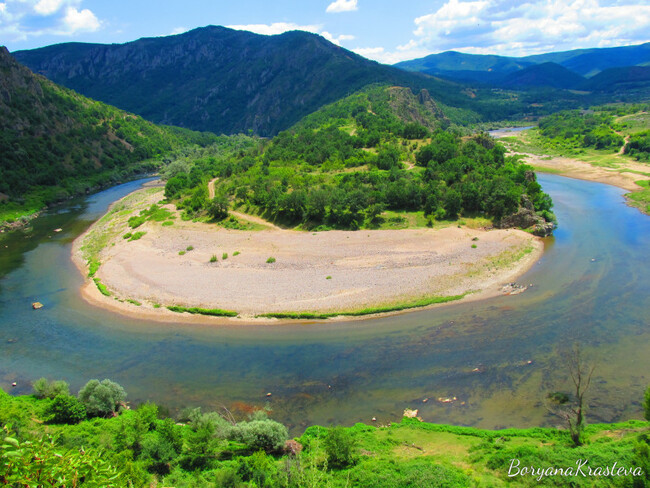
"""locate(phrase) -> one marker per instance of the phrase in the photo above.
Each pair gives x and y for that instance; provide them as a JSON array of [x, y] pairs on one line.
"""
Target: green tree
[[218, 207], [102, 399], [267, 435], [340, 448], [43, 388], [65, 409]]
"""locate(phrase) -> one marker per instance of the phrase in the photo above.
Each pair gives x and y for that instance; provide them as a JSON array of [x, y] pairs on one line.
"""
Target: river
[[499, 358]]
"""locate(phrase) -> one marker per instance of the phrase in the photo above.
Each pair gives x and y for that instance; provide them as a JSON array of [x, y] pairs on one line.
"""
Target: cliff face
[[219, 79]]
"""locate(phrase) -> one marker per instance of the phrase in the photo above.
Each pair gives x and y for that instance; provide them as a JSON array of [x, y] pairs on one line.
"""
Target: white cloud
[[281, 27], [178, 30], [511, 27], [48, 7], [275, 28], [80, 20], [342, 6], [24, 19]]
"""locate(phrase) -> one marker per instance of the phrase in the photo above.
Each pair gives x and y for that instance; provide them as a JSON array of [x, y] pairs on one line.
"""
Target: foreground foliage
[[143, 447]]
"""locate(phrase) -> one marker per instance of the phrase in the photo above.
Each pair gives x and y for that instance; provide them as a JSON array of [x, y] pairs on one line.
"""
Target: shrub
[[189, 248], [102, 399], [137, 235], [270, 260], [127, 235], [218, 207], [49, 389], [340, 448], [181, 253], [236, 253], [646, 404], [135, 222], [213, 259], [65, 409], [224, 255], [267, 435]]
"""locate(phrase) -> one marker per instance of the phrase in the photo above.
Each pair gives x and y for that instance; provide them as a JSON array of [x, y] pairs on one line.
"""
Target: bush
[[267, 435], [646, 404], [218, 207], [340, 447], [65, 409], [224, 255], [102, 399], [271, 260], [213, 259], [49, 389]]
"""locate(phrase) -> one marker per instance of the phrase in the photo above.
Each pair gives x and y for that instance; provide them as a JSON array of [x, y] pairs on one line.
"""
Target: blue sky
[[387, 31]]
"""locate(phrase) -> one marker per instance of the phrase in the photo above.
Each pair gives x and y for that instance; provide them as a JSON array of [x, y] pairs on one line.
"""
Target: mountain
[[223, 80], [492, 69], [55, 142], [616, 79], [542, 75], [589, 62], [451, 62]]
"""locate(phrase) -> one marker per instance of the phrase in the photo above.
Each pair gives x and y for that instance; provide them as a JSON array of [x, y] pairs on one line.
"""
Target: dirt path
[[241, 215], [622, 150]]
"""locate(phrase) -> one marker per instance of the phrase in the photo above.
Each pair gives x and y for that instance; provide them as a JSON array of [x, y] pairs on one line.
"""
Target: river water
[[499, 358]]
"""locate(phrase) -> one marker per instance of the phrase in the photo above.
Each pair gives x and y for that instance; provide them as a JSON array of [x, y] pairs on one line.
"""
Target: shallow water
[[591, 286]]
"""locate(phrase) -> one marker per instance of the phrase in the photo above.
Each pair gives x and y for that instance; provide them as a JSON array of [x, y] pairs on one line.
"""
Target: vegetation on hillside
[[381, 149], [602, 128], [57, 439], [56, 143]]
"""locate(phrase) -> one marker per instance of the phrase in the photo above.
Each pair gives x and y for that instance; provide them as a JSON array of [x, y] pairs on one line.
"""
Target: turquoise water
[[591, 286]]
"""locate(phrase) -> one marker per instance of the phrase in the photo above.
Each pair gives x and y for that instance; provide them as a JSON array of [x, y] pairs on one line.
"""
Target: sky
[[383, 30]]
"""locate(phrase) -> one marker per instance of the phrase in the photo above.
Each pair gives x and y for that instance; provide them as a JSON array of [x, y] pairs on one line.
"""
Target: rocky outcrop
[[526, 218]]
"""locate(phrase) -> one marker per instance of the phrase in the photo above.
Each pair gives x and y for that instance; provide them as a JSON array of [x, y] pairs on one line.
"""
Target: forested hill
[[55, 142], [380, 154], [229, 81]]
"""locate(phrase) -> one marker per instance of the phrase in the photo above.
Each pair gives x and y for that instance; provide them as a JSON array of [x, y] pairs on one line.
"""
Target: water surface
[[591, 286]]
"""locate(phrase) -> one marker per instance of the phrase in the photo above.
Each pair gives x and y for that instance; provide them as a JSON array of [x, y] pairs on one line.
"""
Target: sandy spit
[[333, 271]]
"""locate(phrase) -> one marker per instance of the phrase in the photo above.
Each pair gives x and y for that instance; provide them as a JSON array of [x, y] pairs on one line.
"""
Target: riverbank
[[614, 169], [287, 273]]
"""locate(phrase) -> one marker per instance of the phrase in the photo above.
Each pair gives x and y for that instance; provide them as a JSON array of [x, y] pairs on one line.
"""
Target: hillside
[[543, 75], [379, 158], [222, 80], [228, 81], [56, 143]]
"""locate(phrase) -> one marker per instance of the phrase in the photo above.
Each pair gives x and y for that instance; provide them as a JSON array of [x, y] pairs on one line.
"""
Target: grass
[[236, 253], [423, 302], [213, 259], [93, 266], [134, 302], [224, 256], [181, 253], [641, 199], [128, 235], [474, 246], [189, 248], [167, 223], [102, 287], [328, 277], [215, 312], [271, 260]]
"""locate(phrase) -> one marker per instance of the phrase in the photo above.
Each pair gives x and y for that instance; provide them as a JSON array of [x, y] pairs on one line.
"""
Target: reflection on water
[[498, 357]]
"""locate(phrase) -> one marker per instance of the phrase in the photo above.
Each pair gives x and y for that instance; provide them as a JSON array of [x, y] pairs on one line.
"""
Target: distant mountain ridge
[[534, 70], [223, 80]]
